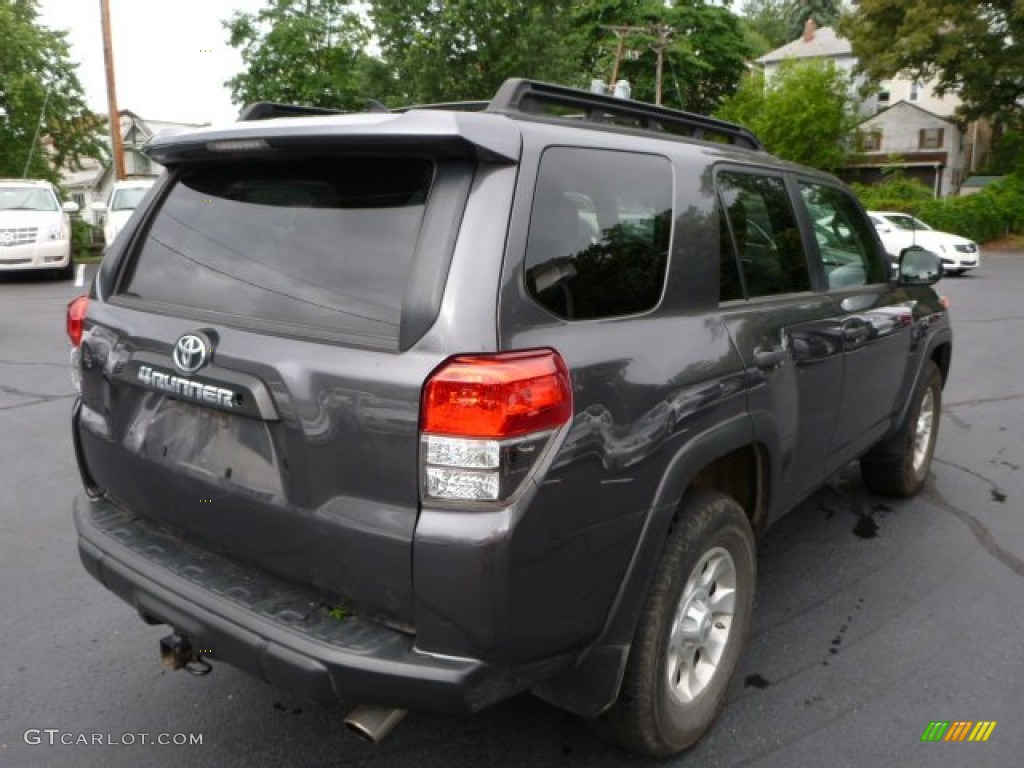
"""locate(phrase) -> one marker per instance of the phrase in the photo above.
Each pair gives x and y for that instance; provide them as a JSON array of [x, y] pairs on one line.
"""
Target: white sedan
[[899, 231], [124, 198]]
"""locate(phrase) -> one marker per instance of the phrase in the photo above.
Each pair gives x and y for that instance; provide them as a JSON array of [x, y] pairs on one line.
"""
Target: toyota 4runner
[[424, 409]]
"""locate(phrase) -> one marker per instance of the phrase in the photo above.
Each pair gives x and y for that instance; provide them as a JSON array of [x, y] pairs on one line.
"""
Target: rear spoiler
[[461, 134]]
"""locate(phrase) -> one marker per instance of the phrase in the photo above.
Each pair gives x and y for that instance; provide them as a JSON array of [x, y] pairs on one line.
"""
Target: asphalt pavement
[[874, 617]]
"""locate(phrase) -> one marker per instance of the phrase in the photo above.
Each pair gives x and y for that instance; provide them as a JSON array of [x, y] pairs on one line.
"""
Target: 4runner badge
[[193, 390]]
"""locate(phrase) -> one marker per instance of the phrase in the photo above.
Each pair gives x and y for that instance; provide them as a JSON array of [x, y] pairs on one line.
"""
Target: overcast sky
[[170, 58]]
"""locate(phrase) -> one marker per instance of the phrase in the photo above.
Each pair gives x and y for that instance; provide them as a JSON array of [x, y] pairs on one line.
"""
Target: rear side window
[[765, 235], [324, 244], [599, 234]]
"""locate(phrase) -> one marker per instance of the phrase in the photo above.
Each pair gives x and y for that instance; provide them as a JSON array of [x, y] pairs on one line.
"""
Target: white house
[[905, 123], [925, 146]]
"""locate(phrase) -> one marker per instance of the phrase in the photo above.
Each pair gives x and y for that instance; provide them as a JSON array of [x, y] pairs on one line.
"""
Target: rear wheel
[[692, 628], [899, 465]]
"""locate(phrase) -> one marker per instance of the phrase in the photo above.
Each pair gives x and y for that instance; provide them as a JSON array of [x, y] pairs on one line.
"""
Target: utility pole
[[115, 120], [663, 33], [620, 32]]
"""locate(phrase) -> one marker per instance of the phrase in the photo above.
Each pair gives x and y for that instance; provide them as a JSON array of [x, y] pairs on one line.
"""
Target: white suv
[[899, 231], [124, 199], [35, 231]]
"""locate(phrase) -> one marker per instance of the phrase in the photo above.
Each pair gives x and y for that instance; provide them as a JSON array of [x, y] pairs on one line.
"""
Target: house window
[[930, 138], [79, 199], [915, 91], [871, 140], [884, 96]]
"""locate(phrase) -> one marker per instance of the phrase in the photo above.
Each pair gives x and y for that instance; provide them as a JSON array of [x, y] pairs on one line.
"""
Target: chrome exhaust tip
[[373, 723]]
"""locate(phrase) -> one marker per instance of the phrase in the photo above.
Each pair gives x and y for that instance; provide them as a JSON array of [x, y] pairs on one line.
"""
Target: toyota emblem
[[191, 353]]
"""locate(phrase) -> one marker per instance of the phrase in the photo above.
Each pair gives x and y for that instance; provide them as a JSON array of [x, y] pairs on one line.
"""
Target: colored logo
[[958, 730]]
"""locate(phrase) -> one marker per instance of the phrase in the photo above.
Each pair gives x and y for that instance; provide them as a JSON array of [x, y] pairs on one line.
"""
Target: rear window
[[324, 243]]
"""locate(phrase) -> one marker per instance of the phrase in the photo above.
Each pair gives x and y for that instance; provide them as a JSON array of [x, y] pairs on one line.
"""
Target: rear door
[[874, 313], [251, 377]]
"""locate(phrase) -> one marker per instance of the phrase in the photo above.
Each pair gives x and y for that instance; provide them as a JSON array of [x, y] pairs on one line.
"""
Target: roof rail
[[265, 110], [458, 106], [518, 96]]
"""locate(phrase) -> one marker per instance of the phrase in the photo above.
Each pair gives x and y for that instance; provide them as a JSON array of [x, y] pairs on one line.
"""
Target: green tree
[[42, 106], [824, 12], [770, 20], [973, 49], [309, 52], [804, 113], [782, 21], [465, 49]]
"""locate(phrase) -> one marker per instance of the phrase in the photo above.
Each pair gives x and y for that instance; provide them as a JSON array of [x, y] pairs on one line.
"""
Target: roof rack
[[519, 96]]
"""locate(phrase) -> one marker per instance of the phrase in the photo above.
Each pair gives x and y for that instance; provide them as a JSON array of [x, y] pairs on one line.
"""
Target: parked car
[[500, 405], [124, 199], [899, 231], [35, 229]]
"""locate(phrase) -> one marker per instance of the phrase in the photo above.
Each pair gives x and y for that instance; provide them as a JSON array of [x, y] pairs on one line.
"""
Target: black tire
[[650, 717], [66, 272], [890, 468]]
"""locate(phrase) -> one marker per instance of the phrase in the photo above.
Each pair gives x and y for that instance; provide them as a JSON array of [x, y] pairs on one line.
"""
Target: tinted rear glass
[[324, 243]]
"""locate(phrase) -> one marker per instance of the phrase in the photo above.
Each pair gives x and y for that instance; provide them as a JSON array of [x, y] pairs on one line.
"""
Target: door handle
[[856, 332], [772, 357]]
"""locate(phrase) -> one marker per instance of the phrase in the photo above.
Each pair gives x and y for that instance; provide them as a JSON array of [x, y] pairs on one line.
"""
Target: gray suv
[[420, 410]]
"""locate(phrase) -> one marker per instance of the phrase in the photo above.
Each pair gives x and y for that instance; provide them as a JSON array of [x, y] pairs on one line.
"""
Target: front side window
[[764, 234], [599, 234], [846, 245], [322, 243], [906, 223]]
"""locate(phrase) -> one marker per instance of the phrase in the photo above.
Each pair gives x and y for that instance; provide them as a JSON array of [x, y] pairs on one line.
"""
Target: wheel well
[[940, 356], [741, 475]]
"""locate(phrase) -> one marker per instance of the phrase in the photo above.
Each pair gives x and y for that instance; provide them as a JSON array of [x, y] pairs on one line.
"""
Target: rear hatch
[[252, 370]]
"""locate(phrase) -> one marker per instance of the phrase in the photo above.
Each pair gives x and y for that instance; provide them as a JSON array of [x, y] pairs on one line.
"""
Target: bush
[[86, 238], [991, 214]]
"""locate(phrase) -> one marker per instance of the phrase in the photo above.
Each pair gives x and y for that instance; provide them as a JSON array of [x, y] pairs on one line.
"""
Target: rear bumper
[[277, 631]]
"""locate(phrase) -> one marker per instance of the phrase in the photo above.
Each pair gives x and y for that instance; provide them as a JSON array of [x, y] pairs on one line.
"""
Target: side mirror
[[70, 207], [919, 267], [98, 207]]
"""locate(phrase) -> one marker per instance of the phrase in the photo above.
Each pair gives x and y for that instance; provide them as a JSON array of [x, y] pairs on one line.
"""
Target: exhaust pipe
[[374, 723]]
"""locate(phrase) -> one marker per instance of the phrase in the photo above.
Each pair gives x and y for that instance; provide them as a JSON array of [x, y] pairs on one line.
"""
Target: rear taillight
[[75, 323], [76, 318], [486, 420]]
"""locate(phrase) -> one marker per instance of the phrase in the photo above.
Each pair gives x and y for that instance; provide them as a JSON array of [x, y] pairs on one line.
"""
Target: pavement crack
[[982, 401], [37, 400], [982, 534], [30, 363], [7, 389], [996, 490]]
